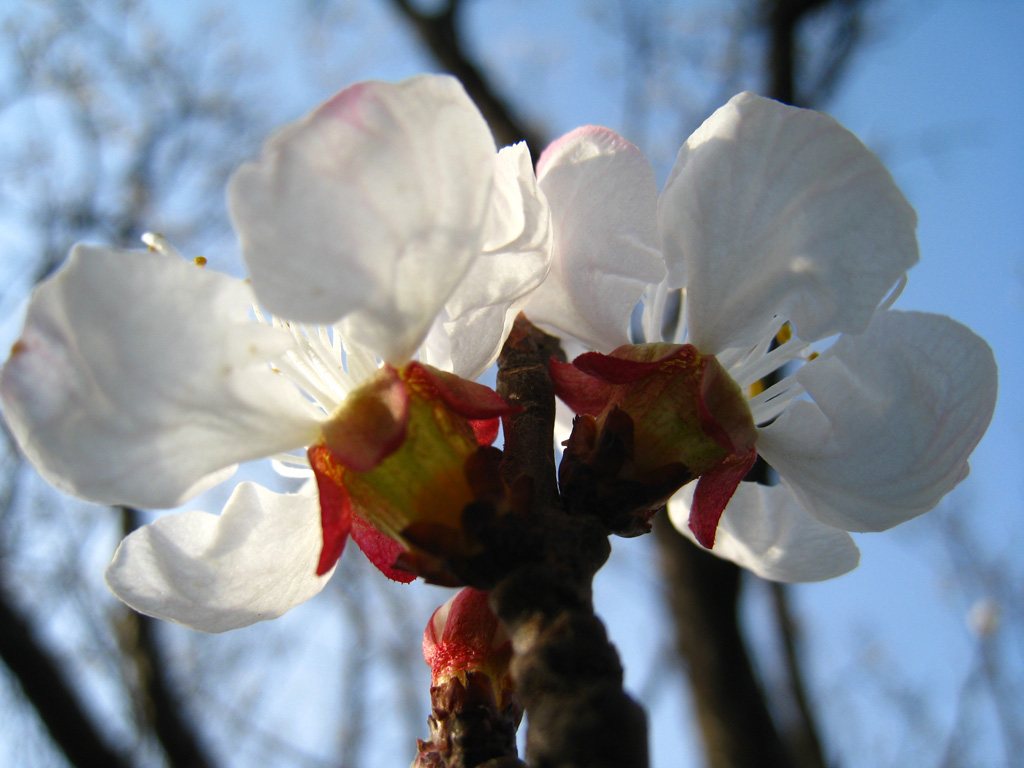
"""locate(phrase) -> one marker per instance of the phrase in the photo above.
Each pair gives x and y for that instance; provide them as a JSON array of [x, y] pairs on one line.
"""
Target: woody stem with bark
[[568, 675], [538, 563]]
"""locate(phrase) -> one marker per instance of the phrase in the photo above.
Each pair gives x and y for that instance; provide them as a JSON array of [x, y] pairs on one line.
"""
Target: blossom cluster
[[390, 246]]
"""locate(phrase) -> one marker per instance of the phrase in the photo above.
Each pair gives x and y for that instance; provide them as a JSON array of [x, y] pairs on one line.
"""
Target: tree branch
[[161, 707], [439, 32], [703, 595], [567, 673], [45, 686]]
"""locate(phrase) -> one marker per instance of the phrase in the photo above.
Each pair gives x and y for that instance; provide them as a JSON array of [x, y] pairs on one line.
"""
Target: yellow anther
[[785, 334], [755, 389], [812, 356], [200, 261]]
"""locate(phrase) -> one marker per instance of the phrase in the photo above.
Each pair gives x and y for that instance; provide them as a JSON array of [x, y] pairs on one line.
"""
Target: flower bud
[[474, 708], [464, 636]]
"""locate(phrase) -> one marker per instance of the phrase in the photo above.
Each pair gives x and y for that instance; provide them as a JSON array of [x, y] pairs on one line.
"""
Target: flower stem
[[568, 675]]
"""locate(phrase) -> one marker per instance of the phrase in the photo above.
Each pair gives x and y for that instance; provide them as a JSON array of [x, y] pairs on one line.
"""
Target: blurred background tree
[[124, 116]]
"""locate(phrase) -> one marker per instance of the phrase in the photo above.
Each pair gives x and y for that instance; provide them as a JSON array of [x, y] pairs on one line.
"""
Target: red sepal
[[583, 393], [486, 430], [335, 510], [470, 400], [617, 370], [714, 489], [381, 550]]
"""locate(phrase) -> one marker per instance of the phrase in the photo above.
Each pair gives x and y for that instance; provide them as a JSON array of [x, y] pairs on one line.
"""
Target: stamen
[[360, 363], [294, 367], [291, 465], [894, 294], [735, 358], [158, 244], [291, 459], [736, 361], [315, 364], [773, 401], [778, 357]]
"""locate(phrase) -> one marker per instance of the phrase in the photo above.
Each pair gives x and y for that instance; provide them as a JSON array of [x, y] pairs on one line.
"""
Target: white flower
[[776, 219], [142, 379]]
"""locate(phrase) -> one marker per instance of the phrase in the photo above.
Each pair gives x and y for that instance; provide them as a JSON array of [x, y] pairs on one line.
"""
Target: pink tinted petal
[[372, 209], [603, 200], [253, 562], [765, 530], [895, 415], [773, 210], [714, 489], [381, 550], [140, 378]]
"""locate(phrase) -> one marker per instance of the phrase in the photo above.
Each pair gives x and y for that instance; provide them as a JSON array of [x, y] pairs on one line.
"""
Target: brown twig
[[567, 673]]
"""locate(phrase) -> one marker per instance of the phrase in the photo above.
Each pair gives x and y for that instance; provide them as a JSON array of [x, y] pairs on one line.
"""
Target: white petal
[[253, 562], [516, 258], [896, 413], [436, 349], [139, 378], [765, 530], [603, 200], [774, 210], [371, 208]]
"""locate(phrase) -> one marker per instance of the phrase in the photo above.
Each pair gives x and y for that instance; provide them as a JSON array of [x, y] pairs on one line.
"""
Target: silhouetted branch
[[160, 705], [441, 34], [703, 594], [781, 21], [803, 739], [45, 686]]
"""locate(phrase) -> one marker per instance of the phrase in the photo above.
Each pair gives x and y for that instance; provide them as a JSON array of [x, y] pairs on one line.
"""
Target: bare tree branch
[[703, 596], [45, 686], [803, 739], [441, 34], [781, 21], [160, 706]]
